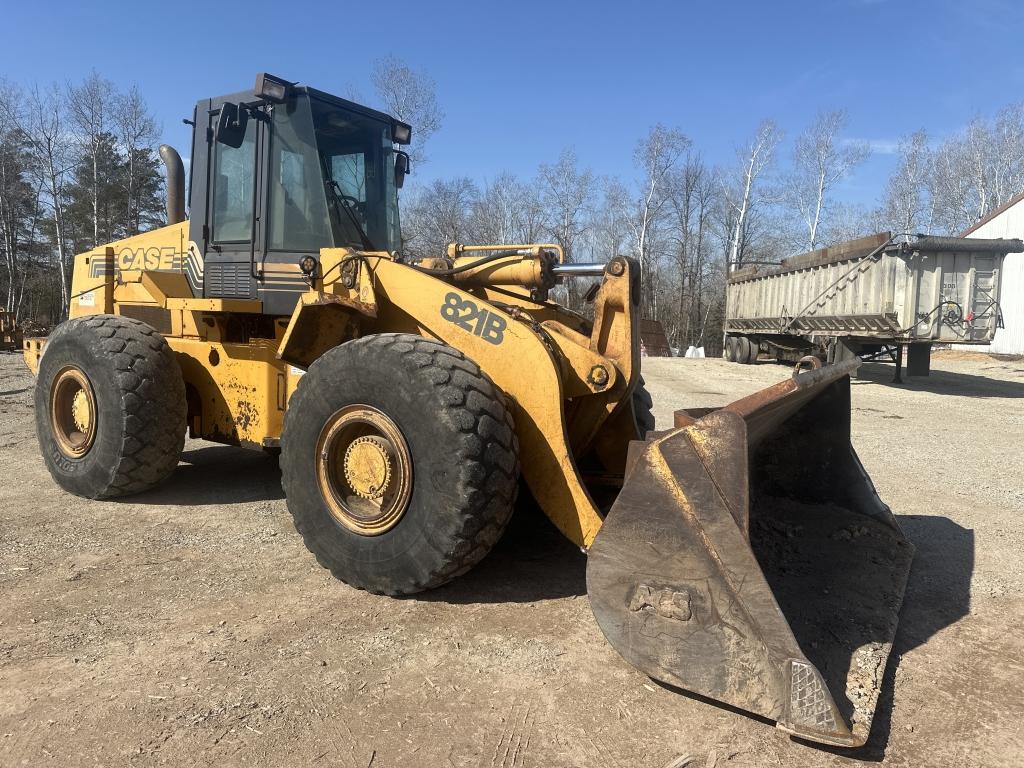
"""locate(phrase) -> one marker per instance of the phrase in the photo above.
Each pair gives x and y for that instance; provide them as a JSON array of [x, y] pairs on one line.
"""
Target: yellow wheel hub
[[81, 411], [364, 470], [72, 412], [368, 466]]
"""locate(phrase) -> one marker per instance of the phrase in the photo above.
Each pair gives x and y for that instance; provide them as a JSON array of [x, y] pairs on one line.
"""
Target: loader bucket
[[749, 559]]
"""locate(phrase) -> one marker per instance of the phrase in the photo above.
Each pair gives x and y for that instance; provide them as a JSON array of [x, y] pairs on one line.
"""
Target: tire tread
[[487, 445], [152, 396]]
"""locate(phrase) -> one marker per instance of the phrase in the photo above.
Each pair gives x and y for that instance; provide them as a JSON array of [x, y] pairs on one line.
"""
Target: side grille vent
[[227, 281], [158, 318]]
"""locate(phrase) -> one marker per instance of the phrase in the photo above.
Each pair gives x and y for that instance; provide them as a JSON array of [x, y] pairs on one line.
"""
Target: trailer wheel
[[110, 406], [399, 462], [742, 350], [751, 349], [731, 349]]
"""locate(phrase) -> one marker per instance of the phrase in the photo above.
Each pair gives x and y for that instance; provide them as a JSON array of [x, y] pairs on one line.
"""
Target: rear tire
[[110, 406], [452, 453]]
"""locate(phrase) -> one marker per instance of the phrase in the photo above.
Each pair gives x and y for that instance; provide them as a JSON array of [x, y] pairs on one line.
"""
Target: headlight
[[271, 88], [401, 133]]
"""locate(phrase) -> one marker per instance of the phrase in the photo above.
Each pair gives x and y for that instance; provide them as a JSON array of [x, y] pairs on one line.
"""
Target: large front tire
[[399, 461], [110, 406]]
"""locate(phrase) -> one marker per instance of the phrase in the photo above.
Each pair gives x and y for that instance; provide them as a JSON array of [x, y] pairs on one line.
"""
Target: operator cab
[[277, 174]]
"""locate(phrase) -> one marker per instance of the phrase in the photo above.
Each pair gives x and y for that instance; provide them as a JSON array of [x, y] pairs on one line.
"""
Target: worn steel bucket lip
[[794, 693]]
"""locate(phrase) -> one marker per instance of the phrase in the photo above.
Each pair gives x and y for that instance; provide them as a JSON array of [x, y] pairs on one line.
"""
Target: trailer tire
[[731, 349], [754, 349], [448, 439], [743, 350], [110, 406]]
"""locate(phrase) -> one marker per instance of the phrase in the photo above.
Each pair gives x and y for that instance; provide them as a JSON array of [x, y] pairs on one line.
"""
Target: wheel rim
[[364, 470], [73, 412]]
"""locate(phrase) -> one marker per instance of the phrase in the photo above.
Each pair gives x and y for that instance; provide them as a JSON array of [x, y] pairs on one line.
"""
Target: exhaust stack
[[175, 184]]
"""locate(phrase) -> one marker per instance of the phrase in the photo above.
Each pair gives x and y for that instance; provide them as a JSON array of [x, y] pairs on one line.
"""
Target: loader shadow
[[942, 382], [217, 474], [531, 562], [937, 596]]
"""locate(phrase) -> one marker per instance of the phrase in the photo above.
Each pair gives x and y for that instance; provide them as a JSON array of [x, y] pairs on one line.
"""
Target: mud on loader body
[[730, 555]]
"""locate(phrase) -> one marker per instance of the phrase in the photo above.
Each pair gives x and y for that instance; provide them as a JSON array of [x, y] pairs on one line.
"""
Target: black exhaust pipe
[[175, 184]]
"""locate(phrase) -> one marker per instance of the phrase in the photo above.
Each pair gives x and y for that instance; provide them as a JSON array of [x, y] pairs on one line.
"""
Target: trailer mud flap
[[749, 559]]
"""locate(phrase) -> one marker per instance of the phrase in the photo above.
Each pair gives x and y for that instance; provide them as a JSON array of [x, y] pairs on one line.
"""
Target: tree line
[[79, 167], [689, 222]]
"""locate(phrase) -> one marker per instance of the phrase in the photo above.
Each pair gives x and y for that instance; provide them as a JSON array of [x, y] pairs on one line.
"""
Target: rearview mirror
[[231, 125], [401, 168]]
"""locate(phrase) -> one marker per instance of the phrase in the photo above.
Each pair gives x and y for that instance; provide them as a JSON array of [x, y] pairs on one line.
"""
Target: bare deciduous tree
[[90, 107], [137, 132], [978, 169], [437, 215], [742, 189], [848, 221], [692, 200], [820, 161], [38, 115], [12, 194], [905, 207], [411, 97], [566, 192], [656, 156], [1007, 153], [507, 211], [950, 187], [609, 225]]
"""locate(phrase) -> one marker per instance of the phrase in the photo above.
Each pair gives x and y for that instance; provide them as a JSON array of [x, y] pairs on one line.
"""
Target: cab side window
[[233, 171]]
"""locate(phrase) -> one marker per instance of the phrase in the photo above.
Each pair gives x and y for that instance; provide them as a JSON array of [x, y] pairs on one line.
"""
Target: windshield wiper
[[338, 201]]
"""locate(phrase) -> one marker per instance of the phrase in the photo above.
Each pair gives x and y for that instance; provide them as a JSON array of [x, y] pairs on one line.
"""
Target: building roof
[[988, 217]]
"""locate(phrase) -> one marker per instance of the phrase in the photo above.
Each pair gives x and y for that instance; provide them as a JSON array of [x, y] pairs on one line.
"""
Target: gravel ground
[[189, 626]]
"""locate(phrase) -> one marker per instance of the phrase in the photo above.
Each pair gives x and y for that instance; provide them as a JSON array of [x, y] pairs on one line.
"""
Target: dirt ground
[[189, 626]]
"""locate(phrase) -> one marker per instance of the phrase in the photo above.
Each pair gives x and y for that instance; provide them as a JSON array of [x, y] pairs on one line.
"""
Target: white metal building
[[1007, 221]]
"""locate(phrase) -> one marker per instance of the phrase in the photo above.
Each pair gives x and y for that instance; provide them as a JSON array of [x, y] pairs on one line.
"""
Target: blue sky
[[521, 80]]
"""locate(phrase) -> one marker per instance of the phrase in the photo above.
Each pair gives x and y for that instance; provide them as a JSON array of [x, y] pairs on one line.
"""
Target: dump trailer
[[741, 553], [870, 297]]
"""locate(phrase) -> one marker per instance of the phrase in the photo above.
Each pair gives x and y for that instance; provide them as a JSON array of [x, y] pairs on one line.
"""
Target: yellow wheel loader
[[742, 554]]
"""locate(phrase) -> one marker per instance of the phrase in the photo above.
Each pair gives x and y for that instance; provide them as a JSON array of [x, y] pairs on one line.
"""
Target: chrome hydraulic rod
[[578, 270]]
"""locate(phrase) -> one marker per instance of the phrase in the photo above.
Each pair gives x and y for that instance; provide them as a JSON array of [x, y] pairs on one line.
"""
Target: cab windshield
[[332, 179]]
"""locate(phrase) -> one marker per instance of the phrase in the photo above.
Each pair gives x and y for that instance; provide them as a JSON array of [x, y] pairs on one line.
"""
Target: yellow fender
[[519, 362]]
